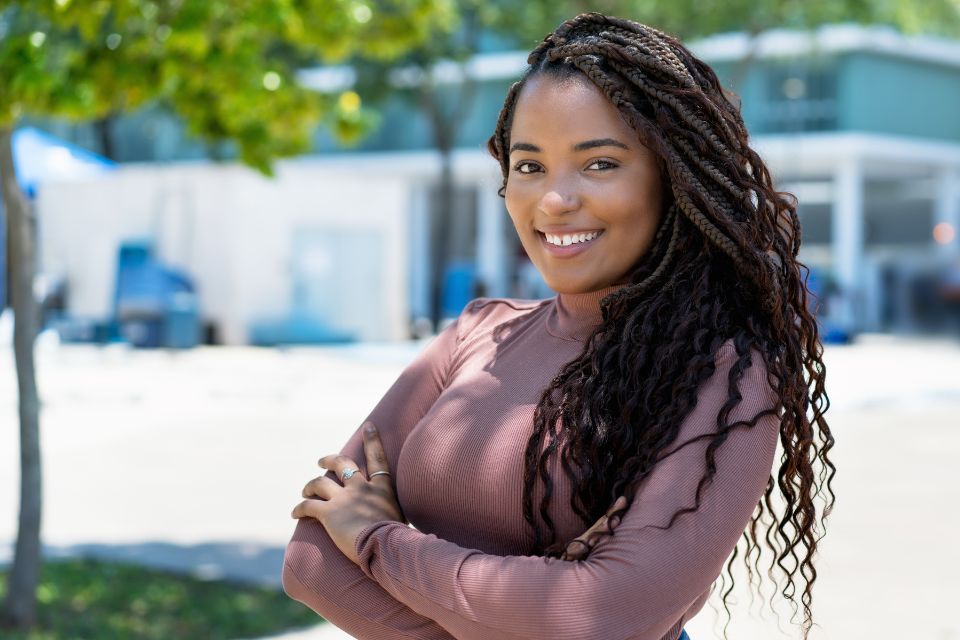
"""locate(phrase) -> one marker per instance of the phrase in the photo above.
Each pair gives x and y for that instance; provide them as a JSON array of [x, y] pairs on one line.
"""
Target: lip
[[560, 230], [570, 250]]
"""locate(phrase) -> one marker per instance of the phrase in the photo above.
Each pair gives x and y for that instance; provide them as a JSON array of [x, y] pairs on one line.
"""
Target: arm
[[315, 572], [635, 584]]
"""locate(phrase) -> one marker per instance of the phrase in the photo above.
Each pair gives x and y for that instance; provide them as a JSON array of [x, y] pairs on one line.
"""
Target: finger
[[322, 487], [376, 456], [599, 529], [577, 549], [576, 552], [339, 464], [618, 504], [309, 509]]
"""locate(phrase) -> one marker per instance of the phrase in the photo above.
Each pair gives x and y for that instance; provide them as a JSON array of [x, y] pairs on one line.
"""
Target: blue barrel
[[459, 280]]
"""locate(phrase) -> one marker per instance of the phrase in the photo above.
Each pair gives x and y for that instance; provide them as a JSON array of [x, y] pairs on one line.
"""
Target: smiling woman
[[577, 169], [585, 466]]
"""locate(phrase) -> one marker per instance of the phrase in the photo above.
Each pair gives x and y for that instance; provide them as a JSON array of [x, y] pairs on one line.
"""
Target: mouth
[[571, 249]]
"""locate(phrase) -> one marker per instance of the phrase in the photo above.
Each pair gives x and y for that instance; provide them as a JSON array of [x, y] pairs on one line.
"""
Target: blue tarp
[[41, 157]]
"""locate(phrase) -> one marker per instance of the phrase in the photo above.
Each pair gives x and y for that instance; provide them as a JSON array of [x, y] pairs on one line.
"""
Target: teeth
[[568, 239]]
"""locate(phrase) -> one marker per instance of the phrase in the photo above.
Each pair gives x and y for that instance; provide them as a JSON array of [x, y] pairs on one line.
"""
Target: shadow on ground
[[250, 563]]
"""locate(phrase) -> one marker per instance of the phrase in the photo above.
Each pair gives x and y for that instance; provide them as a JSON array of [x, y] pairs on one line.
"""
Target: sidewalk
[[193, 461]]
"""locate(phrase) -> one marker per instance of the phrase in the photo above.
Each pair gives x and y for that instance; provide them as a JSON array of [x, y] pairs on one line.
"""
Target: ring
[[377, 473], [348, 473]]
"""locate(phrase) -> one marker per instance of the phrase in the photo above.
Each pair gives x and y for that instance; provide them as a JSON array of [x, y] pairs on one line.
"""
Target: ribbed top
[[574, 315], [455, 425]]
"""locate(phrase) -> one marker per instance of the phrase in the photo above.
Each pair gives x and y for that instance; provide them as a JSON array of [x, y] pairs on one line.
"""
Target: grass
[[85, 599]]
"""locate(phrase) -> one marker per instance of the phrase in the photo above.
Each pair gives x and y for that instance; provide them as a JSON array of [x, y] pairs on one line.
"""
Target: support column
[[847, 244], [491, 242], [419, 252], [946, 209]]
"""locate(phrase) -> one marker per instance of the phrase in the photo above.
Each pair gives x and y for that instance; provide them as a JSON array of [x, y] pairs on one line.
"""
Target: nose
[[555, 202]]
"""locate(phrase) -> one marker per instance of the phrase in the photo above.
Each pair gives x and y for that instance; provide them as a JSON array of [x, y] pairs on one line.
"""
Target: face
[[584, 195]]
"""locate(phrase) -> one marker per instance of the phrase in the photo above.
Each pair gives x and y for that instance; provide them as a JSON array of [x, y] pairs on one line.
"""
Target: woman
[[645, 400]]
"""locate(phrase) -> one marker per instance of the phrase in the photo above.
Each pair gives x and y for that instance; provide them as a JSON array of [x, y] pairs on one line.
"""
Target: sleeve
[[315, 572], [635, 584]]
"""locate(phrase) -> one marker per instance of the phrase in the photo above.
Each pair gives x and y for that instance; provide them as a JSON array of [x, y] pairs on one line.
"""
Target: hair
[[723, 266]]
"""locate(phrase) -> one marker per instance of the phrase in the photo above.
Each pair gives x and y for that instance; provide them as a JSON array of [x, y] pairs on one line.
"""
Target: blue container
[[459, 280], [182, 322], [156, 306]]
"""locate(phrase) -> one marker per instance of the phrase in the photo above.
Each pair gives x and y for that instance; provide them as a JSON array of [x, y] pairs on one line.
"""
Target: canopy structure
[[41, 157]]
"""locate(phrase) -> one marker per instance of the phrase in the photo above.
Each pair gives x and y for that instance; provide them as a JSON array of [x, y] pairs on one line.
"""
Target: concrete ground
[[193, 461]]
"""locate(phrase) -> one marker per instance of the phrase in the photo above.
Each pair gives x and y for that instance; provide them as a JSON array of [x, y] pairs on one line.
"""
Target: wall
[[234, 231], [884, 94]]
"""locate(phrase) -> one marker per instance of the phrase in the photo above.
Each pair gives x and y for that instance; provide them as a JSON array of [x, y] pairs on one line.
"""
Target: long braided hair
[[723, 265]]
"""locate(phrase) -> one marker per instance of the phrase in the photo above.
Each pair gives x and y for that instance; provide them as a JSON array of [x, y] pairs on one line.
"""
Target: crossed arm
[[635, 584]]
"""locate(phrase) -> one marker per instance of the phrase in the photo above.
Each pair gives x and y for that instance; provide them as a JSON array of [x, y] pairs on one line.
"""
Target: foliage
[[698, 18], [227, 67], [84, 598]]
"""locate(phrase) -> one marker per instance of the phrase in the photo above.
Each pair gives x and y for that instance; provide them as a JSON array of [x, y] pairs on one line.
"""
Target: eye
[[525, 167], [603, 165]]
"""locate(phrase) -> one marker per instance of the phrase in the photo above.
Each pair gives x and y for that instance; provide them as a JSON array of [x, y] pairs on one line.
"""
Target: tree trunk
[[441, 224], [20, 607], [104, 130], [445, 126]]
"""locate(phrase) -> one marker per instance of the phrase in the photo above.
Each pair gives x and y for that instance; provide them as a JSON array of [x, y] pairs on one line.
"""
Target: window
[[800, 96]]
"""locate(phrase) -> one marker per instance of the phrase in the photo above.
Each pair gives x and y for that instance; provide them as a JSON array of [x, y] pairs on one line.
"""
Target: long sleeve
[[635, 584], [315, 572]]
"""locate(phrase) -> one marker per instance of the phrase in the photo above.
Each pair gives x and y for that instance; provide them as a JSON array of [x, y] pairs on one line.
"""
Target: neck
[[576, 314]]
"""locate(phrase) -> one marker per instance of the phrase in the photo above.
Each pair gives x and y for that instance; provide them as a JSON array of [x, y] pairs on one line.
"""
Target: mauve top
[[455, 425]]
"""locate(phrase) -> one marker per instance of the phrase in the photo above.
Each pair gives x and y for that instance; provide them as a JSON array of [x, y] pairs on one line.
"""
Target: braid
[[591, 67], [611, 411]]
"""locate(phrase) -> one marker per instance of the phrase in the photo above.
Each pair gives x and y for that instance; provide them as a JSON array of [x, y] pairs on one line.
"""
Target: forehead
[[564, 109]]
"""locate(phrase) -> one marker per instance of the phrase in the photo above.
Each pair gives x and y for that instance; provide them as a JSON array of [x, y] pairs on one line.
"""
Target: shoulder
[[752, 363], [741, 383], [738, 395], [481, 313]]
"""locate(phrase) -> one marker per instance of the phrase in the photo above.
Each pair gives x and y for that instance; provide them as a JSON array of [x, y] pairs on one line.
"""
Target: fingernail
[[369, 429]]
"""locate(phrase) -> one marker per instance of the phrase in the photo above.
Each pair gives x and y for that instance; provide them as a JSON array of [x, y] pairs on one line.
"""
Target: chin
[[574, 287]]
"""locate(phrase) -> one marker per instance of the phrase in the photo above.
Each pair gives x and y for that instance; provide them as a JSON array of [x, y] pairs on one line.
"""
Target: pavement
[[192, 461]]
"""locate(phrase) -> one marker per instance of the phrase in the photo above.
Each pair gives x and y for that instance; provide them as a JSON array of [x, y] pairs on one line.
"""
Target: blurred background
[[229, 225]]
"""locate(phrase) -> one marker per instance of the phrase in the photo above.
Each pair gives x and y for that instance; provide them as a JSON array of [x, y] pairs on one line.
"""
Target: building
[[861, 123]]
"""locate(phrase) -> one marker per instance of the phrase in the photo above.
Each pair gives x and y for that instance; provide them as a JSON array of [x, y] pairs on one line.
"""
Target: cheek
[[517, 202], [635, 213]]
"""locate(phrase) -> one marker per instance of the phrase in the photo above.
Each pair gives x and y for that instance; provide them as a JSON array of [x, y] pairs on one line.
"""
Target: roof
[[830, 39], [827, 39]]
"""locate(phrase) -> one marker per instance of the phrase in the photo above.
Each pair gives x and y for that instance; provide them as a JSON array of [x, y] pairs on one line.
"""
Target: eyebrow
[[580, 146]]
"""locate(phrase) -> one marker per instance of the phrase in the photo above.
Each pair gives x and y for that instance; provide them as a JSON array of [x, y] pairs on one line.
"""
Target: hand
[[346, 510], [579, 547]]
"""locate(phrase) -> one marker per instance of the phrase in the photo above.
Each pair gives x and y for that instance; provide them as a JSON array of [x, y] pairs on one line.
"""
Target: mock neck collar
[[572, 316]]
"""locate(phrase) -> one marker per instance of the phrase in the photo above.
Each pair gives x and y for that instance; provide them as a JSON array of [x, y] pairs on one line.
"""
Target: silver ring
[[348, 473], [377, 473]]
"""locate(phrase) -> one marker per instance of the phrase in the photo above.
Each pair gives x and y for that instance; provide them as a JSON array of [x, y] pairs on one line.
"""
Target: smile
[[568, 245], [567, 239]]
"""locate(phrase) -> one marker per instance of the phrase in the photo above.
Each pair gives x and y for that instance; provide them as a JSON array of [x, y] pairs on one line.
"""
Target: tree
[[226, 67], [524, 24]]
